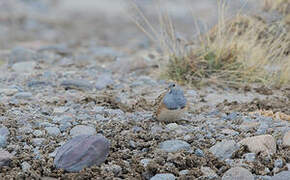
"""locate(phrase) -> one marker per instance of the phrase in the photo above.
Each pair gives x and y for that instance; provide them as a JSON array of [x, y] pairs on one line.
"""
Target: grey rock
[[36, 83], [174, 145], [24, 67], [37, 133], [284, 175], [145, 162], [5, 158], [38, 141], [52, 131], [199, 153], [116, 169], [76, 84], [82, 151], [4, 133], [238, 173], [208, 173], [64, 126], [82, 129], [104, 80], [278, 163], [20, 54], [250, 157], [225, 149], [58, 48], [104, 52], [165, 176], [23, 95], [25, 166], [183, 172]]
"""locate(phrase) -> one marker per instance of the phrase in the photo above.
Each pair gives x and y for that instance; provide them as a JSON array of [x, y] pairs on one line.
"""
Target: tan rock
[[286, 139], [262, 143]]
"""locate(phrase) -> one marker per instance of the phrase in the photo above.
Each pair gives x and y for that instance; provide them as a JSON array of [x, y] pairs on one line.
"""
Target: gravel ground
[[66, 74]]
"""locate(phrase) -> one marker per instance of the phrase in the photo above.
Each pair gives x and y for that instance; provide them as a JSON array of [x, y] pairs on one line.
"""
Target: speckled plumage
[[171, 104]]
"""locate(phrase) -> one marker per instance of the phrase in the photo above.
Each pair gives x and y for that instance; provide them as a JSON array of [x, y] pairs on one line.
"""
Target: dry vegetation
[[238, 50]]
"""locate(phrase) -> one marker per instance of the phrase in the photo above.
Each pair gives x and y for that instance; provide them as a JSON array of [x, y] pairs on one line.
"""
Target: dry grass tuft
[[240, 50]]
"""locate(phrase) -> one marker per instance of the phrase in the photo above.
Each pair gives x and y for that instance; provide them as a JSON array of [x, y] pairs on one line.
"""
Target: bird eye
[[173, 85]]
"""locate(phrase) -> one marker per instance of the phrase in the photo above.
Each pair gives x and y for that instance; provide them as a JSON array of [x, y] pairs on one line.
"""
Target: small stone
[[4, 133], [278, 163], [23, 95], [183, 172], [208, 173], [238, 173], [262, 143], [25, 166], [116, 169], [76, 84], [165, 176], [52, 131], [284, 175], [199, 153], [20, 54], [82, 129], [104, 80], [82, 151], [5, 158], [250, 157], [9, 92], [174, 145], [38, 141], [225, 149], [286, 139], [230, 132], [145, 162], [38, 133], [24, 67]]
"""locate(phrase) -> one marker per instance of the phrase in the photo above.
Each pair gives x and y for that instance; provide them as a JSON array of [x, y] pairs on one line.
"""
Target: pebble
[[20, 54], [165, 176], [77, 153], [230, 132], [116, 169], [82, 130], [208, 173], [284, 175], [183, 172], [25, 166], [278, 163], [104, 80], [4, 133], [250, 157], [5, 158], [9, 91], [37, 141], [261, 143], [224, 149], [286, 139], [145, 162], [23, 95], [77, 84], [24, 67], [174, 145], [37, 133], [52, 131], [199, 153], [238, 173]]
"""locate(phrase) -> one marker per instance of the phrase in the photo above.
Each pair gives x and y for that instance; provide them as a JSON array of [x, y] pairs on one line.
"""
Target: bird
[[171, 105]]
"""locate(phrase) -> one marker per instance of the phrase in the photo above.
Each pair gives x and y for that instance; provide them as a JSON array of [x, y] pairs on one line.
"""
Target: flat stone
[[286, 139], [225, 149], [20, 54], [4, 133], [38, 141], [38, 133], [165, 176], [208, 173], [25, 166], [261, 143], [9, 91], [82, 151], [77, 84], [284, 175], [52, 131], [238, 173], [5, 158], [24, 67], [104, 80], [82, 130], [174, 145], [250, 157], [23, 95]]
